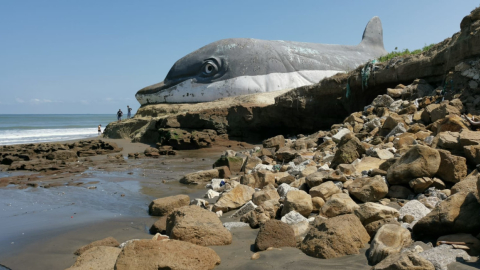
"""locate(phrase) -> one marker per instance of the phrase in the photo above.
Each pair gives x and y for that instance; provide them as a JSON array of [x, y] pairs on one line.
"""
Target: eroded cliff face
[[311, 108]]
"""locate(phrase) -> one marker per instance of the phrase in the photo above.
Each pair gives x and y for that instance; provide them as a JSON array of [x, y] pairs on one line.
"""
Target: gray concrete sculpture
[[240, 66]]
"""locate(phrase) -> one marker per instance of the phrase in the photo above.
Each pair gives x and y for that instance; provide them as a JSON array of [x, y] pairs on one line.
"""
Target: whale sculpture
[[240, 66]]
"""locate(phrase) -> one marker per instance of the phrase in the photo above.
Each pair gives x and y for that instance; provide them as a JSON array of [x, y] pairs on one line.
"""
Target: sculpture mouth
[[158, 87]]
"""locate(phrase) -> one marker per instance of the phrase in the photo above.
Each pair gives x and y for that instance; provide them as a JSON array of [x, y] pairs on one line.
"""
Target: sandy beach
[[46, 225]]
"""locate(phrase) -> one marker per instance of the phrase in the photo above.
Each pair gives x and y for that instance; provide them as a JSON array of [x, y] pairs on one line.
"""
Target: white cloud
[[19, 100]]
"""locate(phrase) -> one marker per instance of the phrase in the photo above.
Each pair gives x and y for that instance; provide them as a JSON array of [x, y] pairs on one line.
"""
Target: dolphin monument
[[241, 66]]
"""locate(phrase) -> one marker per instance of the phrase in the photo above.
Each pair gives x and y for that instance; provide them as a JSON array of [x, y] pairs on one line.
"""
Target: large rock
[[444, 255], [299, 201], [200, 177], [166, 254], [338, 204], [234, 198], [452, 168], [164, 206], [373, 216], [316, 178], [277, 142], [468, 184], [419, 185], [419, 161], [349, 149], [335, 237], [415, 209], [261, 214], [298, 223], [368, 189], [98, 258], [275, 233], [407, 260], [160, 226], [198, 226], [390, 239], [324, 190], [267, 193], [399, 192], [457, 214], [107, 242], [369, 212]]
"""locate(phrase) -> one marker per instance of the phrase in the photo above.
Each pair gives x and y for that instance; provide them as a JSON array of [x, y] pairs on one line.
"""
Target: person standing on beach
[[99, 130], [119, 115], [129, 112]]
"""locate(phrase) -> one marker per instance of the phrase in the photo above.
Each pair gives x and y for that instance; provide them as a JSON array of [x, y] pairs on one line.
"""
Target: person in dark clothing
[[99, 130], [119, 115]]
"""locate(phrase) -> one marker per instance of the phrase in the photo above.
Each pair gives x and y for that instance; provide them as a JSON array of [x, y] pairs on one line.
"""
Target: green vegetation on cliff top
[[404, 53]]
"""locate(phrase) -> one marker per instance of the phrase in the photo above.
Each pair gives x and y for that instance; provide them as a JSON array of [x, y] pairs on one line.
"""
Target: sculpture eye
[[209, 68]]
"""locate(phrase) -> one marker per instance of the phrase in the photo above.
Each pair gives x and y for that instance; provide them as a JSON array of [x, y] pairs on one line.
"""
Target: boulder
[[382, 101], [457, 214], [166, 254], [419, 185], [298, 223], [369, 212], [107, 242], [200, 177], [368, 189], [339, 135], [349, 149], [415, 209], [407, 260], [374, 226], [452, 168], [324, 190], [390, 239], [471, 152], [368, 163], [234, 198], [283, 189], [419, 161], [399, 192], [249, 206], [444, 255], [338, 204], [299, 201], [198, 226], [443, 111], [261, 214], [316, 178], [373, 216], [285, 154], [164, 206], [98, 258], [317, 204], [267, 193], [276, 142], [276, 234], [335, 237], [160, 226]]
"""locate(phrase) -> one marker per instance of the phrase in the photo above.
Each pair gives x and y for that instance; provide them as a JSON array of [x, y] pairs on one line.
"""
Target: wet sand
[[41, 228]]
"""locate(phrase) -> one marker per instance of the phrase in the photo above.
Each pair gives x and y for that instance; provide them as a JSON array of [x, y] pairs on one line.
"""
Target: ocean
[[35, 128]]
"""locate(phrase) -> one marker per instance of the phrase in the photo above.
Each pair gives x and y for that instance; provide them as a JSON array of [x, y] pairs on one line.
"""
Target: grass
[[404, 53]]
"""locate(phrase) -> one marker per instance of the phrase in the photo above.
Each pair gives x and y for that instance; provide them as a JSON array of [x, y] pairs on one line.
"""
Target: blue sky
[[93, 56]]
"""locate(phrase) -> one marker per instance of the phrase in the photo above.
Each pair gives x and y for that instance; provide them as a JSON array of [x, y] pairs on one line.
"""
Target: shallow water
[[33, 216]]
